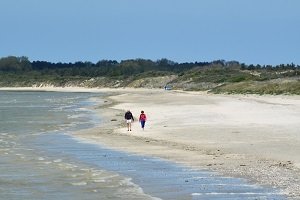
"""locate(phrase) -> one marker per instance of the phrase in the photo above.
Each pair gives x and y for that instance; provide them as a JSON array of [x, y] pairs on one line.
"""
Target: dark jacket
[[128, 115]]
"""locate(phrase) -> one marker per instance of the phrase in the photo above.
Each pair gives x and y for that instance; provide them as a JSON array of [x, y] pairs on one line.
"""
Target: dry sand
[[256, 137]]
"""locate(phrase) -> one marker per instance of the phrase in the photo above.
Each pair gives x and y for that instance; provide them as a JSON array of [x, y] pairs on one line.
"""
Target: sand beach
[[248, 136]]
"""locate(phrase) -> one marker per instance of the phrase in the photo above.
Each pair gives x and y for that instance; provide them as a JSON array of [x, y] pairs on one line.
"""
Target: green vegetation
[[217, 76], [266, 87]]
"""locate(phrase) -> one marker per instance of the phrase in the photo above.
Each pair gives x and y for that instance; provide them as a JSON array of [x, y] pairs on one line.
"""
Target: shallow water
[[40, 160], [157, 177], [31, 173]]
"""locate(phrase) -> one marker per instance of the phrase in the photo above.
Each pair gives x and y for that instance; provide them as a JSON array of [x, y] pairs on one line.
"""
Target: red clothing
[[143, 117]]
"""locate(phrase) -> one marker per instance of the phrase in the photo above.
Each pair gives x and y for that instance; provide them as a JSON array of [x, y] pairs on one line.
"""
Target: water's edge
[[49, 163]]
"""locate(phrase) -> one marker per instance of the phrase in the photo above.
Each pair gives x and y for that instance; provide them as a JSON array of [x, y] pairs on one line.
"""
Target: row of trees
[[122, 68], [101, 68]]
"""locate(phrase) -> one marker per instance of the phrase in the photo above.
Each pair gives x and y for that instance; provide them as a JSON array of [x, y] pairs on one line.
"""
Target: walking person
[[129, 119], [142, 119]]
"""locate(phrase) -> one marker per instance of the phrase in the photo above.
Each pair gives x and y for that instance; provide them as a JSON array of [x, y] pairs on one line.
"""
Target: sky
[[249, 31]]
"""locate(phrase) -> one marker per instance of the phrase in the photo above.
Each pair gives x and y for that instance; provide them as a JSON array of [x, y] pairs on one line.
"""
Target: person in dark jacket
[[129, 119]]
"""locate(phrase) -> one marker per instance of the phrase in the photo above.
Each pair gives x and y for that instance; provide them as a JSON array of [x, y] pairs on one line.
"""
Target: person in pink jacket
[[142, 119]]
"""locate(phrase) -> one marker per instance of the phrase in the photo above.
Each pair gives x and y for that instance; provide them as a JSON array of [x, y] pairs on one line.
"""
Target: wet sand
[[249, 136], [151, 178]]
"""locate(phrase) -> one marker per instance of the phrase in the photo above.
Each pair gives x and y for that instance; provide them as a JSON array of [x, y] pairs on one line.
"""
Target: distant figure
[[129, 119], [142, 119], [167, 87]]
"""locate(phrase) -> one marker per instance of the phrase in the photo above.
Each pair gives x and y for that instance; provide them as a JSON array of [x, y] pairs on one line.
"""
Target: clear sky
[[249, 31]]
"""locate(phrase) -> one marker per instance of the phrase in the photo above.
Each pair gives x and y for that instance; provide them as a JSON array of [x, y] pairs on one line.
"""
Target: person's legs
[[143, 124], [129, 125]]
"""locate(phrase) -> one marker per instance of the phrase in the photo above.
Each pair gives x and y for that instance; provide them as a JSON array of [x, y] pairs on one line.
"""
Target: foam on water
[[160, 178], [79, 183]]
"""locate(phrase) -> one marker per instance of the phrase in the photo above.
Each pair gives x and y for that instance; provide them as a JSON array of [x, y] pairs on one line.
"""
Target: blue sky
[[249, 31]]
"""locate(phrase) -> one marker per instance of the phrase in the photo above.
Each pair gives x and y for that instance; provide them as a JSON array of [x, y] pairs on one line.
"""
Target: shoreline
[[238, 144], [260, 169]]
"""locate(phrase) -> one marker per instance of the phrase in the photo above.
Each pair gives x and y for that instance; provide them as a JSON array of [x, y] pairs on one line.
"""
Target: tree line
[[113, 68]]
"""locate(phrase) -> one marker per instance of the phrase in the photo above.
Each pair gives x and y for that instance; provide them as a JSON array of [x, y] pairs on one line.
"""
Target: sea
[[40, 158]]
